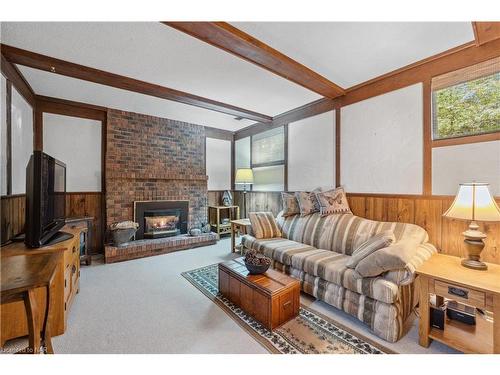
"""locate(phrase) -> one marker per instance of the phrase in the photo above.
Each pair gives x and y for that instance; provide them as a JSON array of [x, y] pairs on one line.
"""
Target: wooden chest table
[[272, 298]]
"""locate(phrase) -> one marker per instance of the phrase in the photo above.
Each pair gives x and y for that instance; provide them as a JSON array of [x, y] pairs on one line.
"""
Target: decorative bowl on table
[[256, 263]]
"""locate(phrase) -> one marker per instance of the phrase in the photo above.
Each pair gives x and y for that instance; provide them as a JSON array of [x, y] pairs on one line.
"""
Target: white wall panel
[[452, 165], [311, 152], [76, 142], [381, 143], [218, 159], [22, 140]]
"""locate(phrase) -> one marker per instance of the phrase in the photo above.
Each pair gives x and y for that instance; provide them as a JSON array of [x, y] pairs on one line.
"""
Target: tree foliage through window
[[467, 108]]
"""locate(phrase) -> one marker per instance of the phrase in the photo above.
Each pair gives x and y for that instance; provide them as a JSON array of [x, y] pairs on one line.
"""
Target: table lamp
[[243, 177], [474, 202]]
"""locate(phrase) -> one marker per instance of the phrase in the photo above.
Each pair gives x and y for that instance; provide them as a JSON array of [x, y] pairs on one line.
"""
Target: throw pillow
[[290, 204], [377, 242], [308, 203], [394, 257], [333, 202], [264, 225]]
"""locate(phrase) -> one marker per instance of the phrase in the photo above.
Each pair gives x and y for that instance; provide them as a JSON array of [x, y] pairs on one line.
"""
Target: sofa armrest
[[398, 262]]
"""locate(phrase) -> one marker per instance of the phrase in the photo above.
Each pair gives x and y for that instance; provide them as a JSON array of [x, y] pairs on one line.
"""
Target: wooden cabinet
[[445, 277], [65, 284], [271, 298]]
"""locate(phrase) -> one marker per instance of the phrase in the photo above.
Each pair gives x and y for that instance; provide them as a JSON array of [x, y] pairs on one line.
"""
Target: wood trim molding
[[232, 40], [465, 140], [338, 145], [70, 108], [453, 59], [427, 138], [13, 74], [37, 129], [69, 69], [308, 110], [8, 134], [216, 133], [485, 32]]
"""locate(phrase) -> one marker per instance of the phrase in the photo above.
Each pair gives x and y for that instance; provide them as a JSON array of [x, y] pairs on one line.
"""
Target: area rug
[[309, 333]]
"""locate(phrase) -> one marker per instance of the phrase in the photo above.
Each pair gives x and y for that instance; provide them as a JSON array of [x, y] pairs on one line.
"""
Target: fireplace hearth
[[159, 219]]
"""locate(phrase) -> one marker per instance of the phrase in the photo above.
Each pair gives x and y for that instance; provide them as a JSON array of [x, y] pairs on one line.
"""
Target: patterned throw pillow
[[333, 202], [308, 203], [290, 204], [264, 225], [377, 242]]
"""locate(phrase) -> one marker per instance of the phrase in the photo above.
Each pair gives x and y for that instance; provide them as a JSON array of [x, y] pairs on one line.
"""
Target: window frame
[[454, 78]]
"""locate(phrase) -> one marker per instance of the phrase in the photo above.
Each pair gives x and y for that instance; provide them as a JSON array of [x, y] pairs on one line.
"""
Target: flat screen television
[[45, 200]]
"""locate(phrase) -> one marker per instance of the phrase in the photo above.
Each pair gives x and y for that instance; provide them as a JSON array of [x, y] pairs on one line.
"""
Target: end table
[[238, 227]]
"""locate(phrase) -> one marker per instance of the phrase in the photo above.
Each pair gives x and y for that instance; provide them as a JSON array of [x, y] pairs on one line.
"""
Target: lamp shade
[[474, 202], [244, 176]]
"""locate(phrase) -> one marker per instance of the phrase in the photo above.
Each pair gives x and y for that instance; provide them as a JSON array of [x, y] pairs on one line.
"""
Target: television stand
[[59, 237]]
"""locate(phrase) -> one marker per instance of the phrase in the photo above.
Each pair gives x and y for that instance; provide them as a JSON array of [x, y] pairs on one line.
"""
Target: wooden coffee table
[[272, 298]]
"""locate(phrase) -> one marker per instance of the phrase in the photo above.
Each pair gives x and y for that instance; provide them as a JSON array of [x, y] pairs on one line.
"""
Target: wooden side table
[[444, 276], [238, 227], [21, 275], [215, 215]]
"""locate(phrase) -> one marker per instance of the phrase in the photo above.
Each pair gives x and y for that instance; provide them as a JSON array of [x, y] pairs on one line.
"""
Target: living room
[[179, 187]]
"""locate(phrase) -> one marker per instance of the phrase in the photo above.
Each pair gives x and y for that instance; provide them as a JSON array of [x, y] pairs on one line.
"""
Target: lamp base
[[473, 246]]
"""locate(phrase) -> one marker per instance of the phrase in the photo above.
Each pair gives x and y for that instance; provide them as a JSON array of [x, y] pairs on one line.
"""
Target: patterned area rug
[[309, 333]]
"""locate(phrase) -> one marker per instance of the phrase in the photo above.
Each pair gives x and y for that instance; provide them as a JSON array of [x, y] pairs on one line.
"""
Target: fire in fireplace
[[161, 224], [160, 218]]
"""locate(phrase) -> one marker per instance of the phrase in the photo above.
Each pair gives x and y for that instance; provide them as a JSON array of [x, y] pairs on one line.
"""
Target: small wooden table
[[238, 227], [215, 215], [272, 298], [444, 276], [21, 275]]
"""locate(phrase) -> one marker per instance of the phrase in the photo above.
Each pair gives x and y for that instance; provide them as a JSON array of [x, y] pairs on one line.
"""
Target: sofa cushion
[[264, 225], [343, 233], [324, 264], [377, 242], [278, 249], [333, 202]]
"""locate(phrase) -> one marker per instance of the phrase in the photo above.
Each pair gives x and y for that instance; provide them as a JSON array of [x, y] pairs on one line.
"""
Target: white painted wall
[[22, 140], [311, 153], [241, 156], [218, 163], [76, 142], [452, 165], [381, 143], [3, 136]]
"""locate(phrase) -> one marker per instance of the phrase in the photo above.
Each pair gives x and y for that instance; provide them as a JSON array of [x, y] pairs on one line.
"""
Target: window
[[467, 102], [265, 154]]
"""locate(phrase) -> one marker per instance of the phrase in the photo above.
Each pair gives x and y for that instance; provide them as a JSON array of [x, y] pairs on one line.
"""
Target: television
[[45, 200]]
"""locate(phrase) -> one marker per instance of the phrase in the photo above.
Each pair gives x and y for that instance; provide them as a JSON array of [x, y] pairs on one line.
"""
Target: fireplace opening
[[161, 223], [160, 218]]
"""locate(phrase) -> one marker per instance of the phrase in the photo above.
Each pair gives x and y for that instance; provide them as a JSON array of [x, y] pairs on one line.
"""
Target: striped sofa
[[315, 250]]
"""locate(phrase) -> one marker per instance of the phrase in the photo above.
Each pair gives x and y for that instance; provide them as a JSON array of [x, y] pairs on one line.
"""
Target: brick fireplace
[[154, 159]]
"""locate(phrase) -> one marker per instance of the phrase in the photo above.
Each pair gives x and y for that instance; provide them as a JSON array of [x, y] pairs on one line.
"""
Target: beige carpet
[[146, 306]]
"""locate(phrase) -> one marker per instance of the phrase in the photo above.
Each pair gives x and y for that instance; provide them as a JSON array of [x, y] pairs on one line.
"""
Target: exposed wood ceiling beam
[[14, 75], [227, 37], [308, 110], [69, 69], [70, 108], [486, 31]]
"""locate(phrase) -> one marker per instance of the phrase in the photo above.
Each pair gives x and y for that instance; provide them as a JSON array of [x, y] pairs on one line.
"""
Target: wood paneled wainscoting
[[426, 211], [77, 204]]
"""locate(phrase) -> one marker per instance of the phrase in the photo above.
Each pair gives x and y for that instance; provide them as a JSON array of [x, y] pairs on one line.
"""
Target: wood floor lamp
[[244, 176]]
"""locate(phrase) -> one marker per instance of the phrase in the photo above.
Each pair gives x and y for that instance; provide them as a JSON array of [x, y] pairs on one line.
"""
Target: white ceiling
[[349, 53], [153, 52]]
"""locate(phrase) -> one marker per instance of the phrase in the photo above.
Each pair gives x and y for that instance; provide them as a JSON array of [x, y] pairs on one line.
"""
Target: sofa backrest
[[343, 233]]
